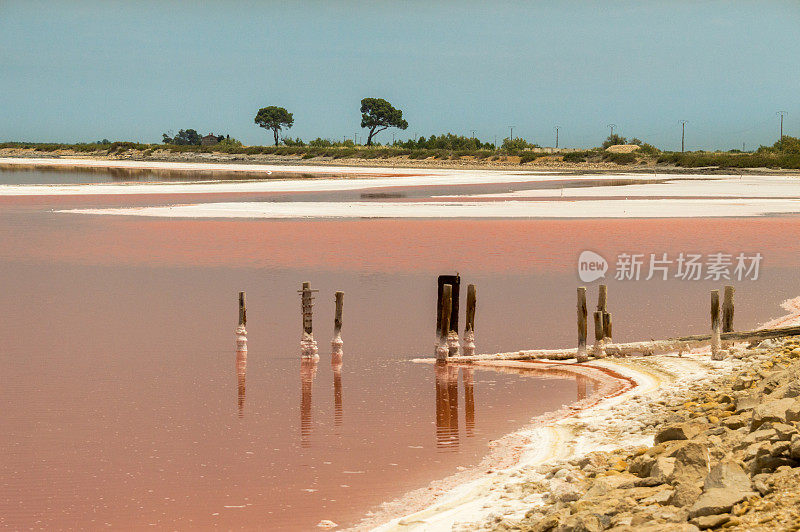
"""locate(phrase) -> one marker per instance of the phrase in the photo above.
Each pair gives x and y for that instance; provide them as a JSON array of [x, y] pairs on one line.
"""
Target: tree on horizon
[[274, 118], [377, 114]]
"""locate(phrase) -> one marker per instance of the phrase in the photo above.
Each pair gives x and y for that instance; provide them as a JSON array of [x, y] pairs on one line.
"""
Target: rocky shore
[[725, 455]]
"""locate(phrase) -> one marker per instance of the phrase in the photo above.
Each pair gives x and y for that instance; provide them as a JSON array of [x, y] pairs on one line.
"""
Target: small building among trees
[[209, 140]]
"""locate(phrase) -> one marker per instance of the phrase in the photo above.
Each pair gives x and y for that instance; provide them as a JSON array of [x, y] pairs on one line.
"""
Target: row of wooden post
[[603, 331], [447, 317], [307, 344]]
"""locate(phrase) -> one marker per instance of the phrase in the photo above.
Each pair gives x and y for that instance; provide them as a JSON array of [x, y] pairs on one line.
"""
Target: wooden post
[[469, 325], [598, 334], [337, 320], [308, 325], [442, 350], [715, 338], [727, 309], [308, 346], [471, 302], [455, 288], [242, 310], [582, 325], [607, 329], [602, 297], [447, 309], [337, 343]]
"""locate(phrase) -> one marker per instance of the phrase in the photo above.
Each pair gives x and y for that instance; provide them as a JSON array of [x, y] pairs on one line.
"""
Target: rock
[[771, 411], [663, 469], [581, 523], [780, 448], [736, 421], [561, 491], [685, 494], [763, 483], [794, 449], [661, 497], [680, 431], [710, 521], [793, 412], [785, 431], [727, 475], [691, 462], [745, 403], [325, 523], [603, 485], [593, 460], [641, 465], [717, 501]]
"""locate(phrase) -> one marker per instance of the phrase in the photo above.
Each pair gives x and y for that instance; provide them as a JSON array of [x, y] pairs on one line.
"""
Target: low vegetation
[[446, 147]]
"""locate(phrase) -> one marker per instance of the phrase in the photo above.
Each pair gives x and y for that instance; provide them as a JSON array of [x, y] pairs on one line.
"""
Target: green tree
[[185, 137], [274, 118], [613, 140], [377, 114]]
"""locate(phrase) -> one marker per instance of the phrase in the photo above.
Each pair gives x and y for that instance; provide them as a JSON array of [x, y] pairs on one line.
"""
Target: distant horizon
[[94, 70]]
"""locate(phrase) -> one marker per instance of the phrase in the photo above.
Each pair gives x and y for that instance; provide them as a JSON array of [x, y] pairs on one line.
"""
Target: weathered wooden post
[[599, 344], [582, 324], [242, 310], [602, 304], [455, 289], [241, 330], [716, 352], [337, 343], [308, 346], [727, 309], [442, 350], [469, 325]]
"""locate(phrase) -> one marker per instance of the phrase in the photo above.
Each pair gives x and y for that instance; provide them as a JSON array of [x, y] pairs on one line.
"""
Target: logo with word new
[[591, 266]]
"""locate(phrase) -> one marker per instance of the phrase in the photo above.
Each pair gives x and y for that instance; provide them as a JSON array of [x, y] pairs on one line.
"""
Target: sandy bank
[[622, 422]]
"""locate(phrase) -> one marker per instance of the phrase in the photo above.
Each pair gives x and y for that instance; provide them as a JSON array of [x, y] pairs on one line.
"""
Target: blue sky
[[87, 69]]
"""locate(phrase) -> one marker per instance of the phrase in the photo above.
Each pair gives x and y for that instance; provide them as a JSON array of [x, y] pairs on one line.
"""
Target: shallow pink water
[[124, 401]]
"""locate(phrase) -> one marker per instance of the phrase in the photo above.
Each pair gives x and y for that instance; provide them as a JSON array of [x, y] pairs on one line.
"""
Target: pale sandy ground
[[613, 423], [639, 208], [684, 195]]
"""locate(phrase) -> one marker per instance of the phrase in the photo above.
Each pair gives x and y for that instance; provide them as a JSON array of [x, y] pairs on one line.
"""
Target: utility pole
[[557, 128], [781, 114], [612, 126], [473, 133], [512, 132], [683, 132]]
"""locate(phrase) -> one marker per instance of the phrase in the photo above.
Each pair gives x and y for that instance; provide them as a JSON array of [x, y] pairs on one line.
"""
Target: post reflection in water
[[241, 374], [308, 370], [241, 366], [446, 406], [336, 365], [583, 386], [469, 400]]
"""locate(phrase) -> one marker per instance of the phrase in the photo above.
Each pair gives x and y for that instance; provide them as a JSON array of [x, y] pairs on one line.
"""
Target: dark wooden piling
[[469, 325], [727, 309], [582, 325], [455, 284], [607, 328], [447, 294], [308, 325], [242, 310], [337, 320]]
